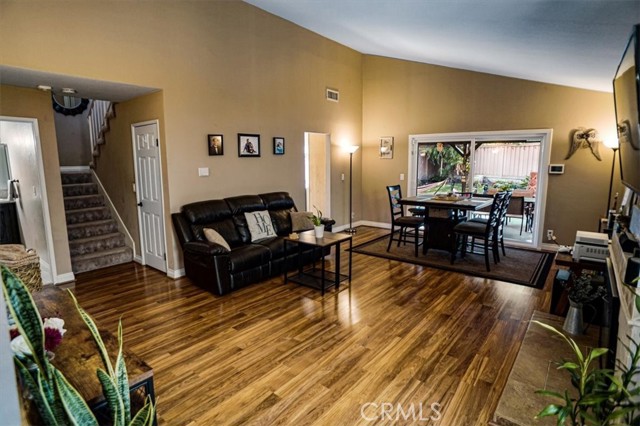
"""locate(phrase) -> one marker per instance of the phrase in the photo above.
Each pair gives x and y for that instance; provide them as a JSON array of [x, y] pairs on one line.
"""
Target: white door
[[146, 153]]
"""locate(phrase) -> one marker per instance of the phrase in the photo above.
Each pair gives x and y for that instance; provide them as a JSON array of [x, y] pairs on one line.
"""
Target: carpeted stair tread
[[75, 189], [76, 177], [95, 243], [89, 229], [83, 201], [87, 214], [101, 259]]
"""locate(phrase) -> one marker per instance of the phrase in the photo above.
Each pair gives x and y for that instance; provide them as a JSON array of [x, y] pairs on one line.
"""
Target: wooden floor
[[275, 354]]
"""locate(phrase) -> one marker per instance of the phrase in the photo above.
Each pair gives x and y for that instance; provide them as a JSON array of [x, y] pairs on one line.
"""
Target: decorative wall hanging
[[585, 138], [248, 145], [386, 147], [278, 146], [216, 146]]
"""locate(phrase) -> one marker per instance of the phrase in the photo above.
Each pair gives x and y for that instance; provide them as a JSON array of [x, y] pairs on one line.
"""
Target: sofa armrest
[[204, 247], [328, 223]]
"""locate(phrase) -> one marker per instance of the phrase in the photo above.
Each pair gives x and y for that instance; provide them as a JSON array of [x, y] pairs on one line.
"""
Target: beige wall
[[32, 103], [72, 133], [115, 166], [224, 67], [403, 98]]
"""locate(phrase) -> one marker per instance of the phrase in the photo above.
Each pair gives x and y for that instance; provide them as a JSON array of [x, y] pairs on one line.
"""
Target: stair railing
[[98, 118]]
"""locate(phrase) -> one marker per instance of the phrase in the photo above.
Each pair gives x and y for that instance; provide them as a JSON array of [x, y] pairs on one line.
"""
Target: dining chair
[[480, 230], [502, 222], [516, 209], [399, 219]]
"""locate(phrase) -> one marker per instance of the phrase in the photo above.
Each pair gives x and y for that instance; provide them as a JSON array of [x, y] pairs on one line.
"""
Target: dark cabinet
[[9, 228]]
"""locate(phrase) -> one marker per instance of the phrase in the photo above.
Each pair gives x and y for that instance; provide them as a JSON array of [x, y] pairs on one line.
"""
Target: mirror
[[69, 105], [5, 172]]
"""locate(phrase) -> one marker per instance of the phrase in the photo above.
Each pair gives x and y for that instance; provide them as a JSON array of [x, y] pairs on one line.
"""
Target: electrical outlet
[[549, 234], [353, 215]]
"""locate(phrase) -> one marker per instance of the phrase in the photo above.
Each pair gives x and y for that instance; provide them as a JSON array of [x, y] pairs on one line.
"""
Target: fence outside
[[508, 161]]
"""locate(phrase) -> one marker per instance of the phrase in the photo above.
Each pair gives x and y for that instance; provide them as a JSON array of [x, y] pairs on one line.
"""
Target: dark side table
[[318, 278]]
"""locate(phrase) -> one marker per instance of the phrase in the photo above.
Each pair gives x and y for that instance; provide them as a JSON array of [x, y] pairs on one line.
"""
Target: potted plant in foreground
[[602, 396]]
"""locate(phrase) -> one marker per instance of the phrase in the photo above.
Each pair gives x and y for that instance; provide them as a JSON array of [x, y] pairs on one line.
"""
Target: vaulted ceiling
[[575, 43]]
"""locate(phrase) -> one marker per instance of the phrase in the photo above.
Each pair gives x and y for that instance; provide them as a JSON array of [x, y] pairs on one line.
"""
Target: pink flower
[[53, 332]]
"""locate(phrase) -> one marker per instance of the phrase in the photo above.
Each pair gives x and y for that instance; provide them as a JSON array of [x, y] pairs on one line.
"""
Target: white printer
[[591, 246]]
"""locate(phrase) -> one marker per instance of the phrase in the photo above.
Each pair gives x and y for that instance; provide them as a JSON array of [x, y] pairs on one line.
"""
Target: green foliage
[[602, 398], [56, 400], [317, 217]]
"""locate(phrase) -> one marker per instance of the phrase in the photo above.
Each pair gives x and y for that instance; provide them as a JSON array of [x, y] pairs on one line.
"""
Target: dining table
[[441, 214]]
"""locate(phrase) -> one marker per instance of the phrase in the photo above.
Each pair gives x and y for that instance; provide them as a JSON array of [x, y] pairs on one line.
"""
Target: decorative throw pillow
[[214, 237], [301, 221], [260, 225]]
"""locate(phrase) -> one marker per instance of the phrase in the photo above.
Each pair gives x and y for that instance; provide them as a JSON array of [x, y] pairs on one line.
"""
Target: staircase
[[94, 239]]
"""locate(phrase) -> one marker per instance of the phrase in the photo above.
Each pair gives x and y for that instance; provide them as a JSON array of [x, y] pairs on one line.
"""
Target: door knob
[[140, 204]]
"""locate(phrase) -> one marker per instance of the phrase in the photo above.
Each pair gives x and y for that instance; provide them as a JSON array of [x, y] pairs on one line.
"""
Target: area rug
[[520, 266]]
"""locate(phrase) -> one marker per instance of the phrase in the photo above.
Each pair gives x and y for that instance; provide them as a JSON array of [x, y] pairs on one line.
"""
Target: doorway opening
[[317, 172], [27, 191], [484, 163]]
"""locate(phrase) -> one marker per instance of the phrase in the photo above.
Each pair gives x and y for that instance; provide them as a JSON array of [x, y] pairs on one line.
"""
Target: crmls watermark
[[371, 411]]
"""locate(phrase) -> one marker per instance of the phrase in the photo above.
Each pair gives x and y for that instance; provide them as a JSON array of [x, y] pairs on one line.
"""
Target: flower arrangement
[[53, 332], [581, 289]]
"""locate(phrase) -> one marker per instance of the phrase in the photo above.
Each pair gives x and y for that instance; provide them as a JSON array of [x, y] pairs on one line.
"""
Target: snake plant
[[56, 400]]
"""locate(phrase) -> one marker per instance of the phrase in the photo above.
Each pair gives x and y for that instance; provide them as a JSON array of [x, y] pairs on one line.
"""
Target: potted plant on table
[[318, 226], [581, 290]]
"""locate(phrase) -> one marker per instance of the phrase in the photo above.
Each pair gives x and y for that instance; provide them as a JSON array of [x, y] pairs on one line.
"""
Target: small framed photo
[[278, 146], [248, 145], [215, 145], [386, 147]]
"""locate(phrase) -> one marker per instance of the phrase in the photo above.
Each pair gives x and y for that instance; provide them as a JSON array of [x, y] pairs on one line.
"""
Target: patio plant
[[56, 400]]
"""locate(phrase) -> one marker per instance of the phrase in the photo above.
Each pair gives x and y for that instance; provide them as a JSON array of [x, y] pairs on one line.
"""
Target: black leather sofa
[[213, 267]]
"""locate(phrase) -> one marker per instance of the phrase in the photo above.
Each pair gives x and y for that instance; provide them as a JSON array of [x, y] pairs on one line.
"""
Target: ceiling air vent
[[333, 95]]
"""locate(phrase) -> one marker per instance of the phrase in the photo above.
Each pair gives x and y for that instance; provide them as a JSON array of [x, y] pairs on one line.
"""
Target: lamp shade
[[351, 148], [611, 142]]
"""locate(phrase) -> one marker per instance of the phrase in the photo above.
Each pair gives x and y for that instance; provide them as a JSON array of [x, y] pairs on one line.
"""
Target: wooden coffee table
[[78, 359], [318, 278]]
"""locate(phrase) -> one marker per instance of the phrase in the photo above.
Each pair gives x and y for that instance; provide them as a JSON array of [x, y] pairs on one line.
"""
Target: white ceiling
[[575, 43]]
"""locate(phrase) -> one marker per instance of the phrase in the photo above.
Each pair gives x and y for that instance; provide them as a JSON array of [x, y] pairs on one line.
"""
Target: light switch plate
[[401, 176], [203, 171]]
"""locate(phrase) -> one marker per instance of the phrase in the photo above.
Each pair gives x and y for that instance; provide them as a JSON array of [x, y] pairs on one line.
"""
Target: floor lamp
[[613, 144], [351, 149]]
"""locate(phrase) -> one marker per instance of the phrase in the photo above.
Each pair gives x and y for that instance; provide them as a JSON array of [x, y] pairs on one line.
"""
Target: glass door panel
[[443, 167]]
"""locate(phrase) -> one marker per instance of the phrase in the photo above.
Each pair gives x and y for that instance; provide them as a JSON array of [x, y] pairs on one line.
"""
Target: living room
[[227, 67]]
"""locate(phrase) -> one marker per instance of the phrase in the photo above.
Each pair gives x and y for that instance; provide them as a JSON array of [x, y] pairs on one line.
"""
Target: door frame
[[48, 230], [543, 135], [156, 122], [327, 153]]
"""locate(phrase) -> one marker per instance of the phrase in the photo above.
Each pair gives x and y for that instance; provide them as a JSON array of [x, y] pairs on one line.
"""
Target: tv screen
[[625, 91]]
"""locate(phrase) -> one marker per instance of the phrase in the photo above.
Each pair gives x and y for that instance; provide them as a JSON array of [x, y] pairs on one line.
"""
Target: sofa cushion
[[260, 225], [238, 206], [301, 221], [226, 228], [214, 237], [247, 257], [206, 211], [279, 204]]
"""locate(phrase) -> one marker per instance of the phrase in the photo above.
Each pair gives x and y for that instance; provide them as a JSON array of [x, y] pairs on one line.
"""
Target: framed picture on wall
[[386, 147], [278, 146], [215, 145], [248, 145]]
